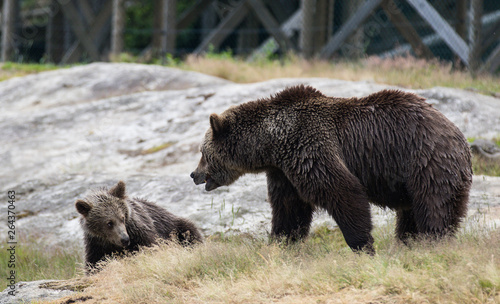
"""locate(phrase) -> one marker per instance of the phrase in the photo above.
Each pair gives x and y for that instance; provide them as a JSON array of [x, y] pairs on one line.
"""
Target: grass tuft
[[11, 69], [38, 261]]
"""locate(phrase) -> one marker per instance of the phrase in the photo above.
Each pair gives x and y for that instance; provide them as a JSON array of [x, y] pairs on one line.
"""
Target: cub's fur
[[112, 223]]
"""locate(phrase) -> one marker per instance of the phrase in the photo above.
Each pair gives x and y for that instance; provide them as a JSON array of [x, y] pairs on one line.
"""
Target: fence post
[[168, 30], [117, 28], [9, 16], [54, 36], [353, 46], [476, 12], [307, 31]]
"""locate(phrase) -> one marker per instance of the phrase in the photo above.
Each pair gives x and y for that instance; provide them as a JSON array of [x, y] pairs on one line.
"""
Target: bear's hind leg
[[292, 216], [436, 218], [406, 227]]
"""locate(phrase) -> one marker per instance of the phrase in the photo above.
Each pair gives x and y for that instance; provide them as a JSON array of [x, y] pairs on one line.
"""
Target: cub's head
[[218, 165], [105, 214]]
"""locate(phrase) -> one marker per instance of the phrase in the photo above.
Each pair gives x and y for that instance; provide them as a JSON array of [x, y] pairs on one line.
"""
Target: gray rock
[[486, 149], [25, 292]]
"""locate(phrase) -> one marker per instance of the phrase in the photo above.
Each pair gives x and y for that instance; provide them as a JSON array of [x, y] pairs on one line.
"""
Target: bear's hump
[[392, 96], [295, 93]]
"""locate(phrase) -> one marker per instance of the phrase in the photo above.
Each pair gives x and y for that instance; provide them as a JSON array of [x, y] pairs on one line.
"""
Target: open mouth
[[210, 184]]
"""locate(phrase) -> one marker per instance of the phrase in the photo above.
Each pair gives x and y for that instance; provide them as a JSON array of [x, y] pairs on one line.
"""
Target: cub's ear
[[118, 190], [216, 123], [83, 207]]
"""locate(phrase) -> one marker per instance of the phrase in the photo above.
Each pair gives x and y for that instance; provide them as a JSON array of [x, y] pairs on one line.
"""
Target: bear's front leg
[[339, 192], [350, 208], [291, 215], [95, 252]]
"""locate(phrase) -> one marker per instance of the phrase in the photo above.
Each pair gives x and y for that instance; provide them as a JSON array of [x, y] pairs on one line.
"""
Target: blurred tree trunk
[[118, 26], [10, 14], [54, 44], [168, 28]]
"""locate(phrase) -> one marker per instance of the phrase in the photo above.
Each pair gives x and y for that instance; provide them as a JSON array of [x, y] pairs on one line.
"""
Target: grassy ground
[[407, 72], [404, 72], [482, 166], [9, 69], [34, 260], [485, 167], [242, 269]]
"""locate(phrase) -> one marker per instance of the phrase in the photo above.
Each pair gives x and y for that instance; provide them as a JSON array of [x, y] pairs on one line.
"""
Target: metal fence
[[64, 31]]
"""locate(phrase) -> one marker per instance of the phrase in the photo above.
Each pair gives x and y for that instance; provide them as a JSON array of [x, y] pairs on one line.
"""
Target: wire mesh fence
[[70, 30]]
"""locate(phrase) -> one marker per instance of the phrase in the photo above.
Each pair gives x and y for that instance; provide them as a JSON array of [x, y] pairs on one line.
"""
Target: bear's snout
[[198, 178], [125, 239], [201, 178]]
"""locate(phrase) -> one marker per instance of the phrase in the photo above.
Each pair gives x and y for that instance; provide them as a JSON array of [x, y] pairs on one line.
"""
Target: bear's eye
[[110, 224]]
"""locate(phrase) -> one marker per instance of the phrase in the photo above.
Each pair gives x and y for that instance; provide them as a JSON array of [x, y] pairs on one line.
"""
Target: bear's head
[[218, 165], [105, 214]]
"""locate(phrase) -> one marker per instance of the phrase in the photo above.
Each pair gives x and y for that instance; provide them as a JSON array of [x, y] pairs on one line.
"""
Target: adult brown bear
[[390, 148]]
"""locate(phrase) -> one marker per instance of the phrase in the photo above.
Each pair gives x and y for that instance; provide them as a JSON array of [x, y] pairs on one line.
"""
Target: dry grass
[[407, 72], [241, 269]]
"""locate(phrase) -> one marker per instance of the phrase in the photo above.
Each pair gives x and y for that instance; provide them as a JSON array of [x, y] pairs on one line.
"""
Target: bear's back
[[394, 137]]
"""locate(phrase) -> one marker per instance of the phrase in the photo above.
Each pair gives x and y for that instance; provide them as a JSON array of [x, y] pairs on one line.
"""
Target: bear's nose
[[192, 175], [125, 241]]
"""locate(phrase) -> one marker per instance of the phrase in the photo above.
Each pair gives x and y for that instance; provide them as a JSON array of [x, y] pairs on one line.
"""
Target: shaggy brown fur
[[113, 223], [390, 148]]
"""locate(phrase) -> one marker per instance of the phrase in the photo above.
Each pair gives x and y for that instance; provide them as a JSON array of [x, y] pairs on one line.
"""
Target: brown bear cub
[[390, 148], [112, 223]]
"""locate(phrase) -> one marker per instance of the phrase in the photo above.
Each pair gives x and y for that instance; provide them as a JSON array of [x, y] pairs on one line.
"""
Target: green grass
[[11, 69], [246, 269], [484, 167], [35, 260], [481, 166]]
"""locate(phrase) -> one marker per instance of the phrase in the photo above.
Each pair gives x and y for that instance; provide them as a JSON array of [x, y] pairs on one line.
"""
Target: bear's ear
[[118, 190], [83, 207], [216, 123]]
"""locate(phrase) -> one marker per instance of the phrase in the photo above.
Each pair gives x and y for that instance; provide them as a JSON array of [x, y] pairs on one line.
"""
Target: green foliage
[[138, 26], [28, 67], [213, 54], [11, 69]]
